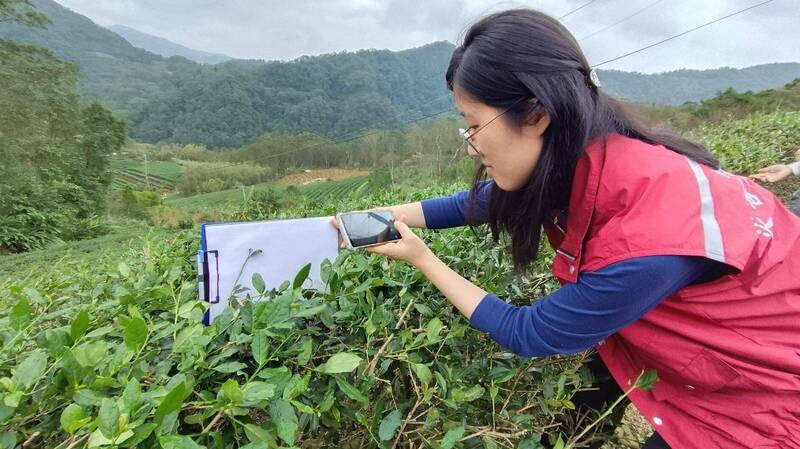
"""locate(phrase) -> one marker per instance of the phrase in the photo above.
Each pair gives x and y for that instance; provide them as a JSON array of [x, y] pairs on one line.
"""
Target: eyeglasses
[[468, 146]]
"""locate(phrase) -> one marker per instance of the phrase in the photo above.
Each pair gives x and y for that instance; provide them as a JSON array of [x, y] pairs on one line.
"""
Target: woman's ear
[[537, 123]]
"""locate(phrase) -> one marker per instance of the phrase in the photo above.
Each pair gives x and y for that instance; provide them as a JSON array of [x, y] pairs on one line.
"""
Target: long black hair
[[521, 54]]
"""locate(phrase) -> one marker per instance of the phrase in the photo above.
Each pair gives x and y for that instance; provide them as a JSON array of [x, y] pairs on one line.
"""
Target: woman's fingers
[[402, 227], [335, 224]]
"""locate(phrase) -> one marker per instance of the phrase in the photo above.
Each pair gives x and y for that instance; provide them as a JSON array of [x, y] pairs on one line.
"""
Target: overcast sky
[[284, 30]]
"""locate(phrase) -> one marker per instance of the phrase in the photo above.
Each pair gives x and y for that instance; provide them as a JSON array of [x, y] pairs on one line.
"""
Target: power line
[[577, 9], [621, 20], [682, 34], [348, 138]]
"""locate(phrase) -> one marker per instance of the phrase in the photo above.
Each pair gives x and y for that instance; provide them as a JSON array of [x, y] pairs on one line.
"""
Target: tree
[[54, 151], [21, 11]]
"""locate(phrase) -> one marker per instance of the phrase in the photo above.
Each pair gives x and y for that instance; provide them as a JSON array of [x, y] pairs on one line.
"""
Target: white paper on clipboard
[[280, 249]]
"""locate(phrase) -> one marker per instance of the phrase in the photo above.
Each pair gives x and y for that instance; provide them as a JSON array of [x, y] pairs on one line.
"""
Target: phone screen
[[369, 228]]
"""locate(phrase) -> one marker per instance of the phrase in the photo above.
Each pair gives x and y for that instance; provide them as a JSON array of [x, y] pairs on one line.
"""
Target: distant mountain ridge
[[173, 99], [680, 86], [165, 47]]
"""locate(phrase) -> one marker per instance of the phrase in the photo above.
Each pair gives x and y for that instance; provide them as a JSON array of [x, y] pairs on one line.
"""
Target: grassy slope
[[61, 256]]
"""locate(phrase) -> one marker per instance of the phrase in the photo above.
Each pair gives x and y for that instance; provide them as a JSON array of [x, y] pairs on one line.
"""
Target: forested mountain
[[681, 86], [224, 105], [165, 47]]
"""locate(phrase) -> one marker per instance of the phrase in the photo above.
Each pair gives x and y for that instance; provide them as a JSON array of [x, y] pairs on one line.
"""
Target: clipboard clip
[[204, 276]]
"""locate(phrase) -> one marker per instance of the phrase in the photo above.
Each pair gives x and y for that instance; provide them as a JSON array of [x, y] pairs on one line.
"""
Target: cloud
[[272, 29]]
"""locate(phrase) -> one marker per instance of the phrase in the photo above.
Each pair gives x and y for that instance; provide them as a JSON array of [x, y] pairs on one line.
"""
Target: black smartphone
[[362, 229]]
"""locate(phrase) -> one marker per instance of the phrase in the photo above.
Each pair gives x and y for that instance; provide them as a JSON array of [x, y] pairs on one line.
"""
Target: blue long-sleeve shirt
[[580, 314]]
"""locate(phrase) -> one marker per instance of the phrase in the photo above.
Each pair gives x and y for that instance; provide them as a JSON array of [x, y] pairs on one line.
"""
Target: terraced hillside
[[157, 175]]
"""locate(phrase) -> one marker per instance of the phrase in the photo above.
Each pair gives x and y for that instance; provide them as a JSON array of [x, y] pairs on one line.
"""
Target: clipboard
[[231, 252]]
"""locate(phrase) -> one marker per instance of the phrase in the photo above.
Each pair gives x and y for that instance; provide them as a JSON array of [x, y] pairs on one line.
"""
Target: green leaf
[[20, 314], [433, 329], [493, 390], [276, 376], [124, 270], [562, 381], [452, 437], [8, 440], [296, 386], [303, 407], [90, 354], [140, 433], [646, 380], [232, 391], [178, 442], [343, 362], [468, 395], [258, 434], [132, 396], [34, 295], [489, 442], [423, 309], [423, 372], [56, 341], [259, 284], [108, 418], [559, 443], [285, 420], [351, 391], [73, 418], [258, 445], [305, 353], [230, 367], [311, 311], [135, 333], [501, 375], [88, 398], [441, 382], [532, 442], [260, 347], [100, 331], [97, 439], [124, 436], [171, 402], [301, 277], [389, 424], [30, 370], [327, 400], [79, 326], [255, 392], [12, 399]]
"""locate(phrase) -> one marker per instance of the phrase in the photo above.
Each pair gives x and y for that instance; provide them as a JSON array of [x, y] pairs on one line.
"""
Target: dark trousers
[[606, 393]]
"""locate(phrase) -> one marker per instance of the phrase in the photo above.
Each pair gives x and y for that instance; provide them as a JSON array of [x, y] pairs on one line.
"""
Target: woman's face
[[508, 152]]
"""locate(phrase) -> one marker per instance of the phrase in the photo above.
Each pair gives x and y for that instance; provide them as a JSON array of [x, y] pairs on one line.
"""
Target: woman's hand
[[773, 173], [409, 248]]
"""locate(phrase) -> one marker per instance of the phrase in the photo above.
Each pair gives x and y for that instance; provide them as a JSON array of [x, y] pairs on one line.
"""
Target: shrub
[[205, 178]]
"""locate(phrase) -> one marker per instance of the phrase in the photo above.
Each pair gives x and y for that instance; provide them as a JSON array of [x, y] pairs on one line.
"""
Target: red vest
[[727, 352]]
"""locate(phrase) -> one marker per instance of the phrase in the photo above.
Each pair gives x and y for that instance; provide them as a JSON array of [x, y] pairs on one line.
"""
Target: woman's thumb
[[402, 227]]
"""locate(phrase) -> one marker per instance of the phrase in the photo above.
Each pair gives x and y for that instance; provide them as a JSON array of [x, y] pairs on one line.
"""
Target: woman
[[666, 262]]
